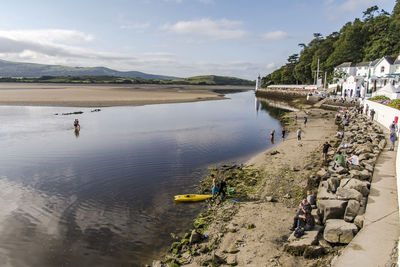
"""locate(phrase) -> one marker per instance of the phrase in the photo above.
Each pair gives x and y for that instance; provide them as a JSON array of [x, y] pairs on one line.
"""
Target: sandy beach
[[81, 95], [257, 230]]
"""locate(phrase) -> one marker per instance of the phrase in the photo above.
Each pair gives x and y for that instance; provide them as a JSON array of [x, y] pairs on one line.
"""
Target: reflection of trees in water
[[272, 110]]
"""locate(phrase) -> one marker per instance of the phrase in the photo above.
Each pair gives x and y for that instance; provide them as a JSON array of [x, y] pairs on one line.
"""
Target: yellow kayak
[[191, 197]]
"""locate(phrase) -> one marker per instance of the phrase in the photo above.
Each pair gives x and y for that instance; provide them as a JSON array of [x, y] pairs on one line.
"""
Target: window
[[382, 69]]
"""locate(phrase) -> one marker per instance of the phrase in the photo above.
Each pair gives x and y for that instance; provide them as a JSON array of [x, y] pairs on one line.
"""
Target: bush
[[379, 97]]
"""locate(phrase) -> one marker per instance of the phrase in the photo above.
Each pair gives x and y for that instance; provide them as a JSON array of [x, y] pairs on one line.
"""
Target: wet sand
[[81, 95], [285, 178]]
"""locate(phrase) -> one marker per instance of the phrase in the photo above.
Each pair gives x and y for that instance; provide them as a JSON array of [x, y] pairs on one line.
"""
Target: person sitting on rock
[[353, 160], [311, 199], [339, 160], [304, 207]]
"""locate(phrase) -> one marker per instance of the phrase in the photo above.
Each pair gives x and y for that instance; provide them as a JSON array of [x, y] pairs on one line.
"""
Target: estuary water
[[104, 196]]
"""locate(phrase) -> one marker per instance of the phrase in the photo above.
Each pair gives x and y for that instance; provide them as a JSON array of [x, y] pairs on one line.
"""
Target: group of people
[[304, 220], [218, 188], [272, 135]]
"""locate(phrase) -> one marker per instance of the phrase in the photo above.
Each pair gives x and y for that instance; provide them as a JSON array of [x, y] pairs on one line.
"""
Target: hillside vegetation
[[198, 80], [376, 35], [33, 70]]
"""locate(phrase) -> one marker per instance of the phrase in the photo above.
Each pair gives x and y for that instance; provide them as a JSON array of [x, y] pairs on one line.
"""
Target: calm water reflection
[[104, 196]]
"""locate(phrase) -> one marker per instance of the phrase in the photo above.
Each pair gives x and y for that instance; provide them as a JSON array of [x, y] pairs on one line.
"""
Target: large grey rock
[[323, 174], [323, 191], [339, 170], [351, 211], [363, 149], [312, 252], [359, 221], [296, 246], [333, 184], [368, 167], [339, 231], [348, 193], [360, 186], [331, 209], [365, 175], [364, 156], [382, 144]]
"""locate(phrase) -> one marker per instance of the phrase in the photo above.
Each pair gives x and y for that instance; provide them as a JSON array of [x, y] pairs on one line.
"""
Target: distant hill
[[212, 80], [33, 70]]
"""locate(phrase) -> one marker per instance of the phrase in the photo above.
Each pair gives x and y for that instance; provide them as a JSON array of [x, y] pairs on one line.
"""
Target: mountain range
[[19, 69]]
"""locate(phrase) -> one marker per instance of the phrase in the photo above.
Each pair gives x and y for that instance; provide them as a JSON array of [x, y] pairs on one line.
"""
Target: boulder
[[333, 184], [348, 193], [351, 211], [323, 174], [355, 167], [331, 209], [195, 237], [359, 221], [313, 252], [339, 231], [355, 174], [323, 192], [363, 149], [296, 246], [382, 144], [339, 170], [365, 175], [368, 167], [360, 186], [364, 156]]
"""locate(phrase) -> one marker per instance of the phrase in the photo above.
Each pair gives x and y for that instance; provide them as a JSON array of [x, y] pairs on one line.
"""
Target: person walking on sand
[[393, 138], [295, 118], [283, 133], [325, 148], [305, 121], [299, 134]]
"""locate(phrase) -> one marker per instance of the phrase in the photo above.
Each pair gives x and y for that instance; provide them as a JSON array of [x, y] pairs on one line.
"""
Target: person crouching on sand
[[214, 187]]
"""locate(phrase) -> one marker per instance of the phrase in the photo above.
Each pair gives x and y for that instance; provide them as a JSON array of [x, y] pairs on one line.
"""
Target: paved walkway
[[374, 244]]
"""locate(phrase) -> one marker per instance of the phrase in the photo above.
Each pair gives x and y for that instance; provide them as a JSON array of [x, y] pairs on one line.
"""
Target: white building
[[361, 79]]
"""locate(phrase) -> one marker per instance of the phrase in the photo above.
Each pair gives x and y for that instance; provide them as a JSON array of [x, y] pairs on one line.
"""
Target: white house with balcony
[[361, 79]]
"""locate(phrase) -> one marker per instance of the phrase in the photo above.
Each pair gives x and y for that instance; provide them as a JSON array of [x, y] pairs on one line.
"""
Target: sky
[[182, 38]]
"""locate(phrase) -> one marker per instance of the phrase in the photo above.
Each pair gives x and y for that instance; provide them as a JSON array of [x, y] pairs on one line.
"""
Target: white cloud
[[215, 29], [276, 35], [42, 47], [47, 35]]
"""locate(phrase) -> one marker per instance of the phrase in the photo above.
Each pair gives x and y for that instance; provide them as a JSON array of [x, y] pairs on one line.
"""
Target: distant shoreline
[[104, 95]]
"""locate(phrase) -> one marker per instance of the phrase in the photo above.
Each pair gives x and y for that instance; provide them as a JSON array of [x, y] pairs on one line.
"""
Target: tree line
[[376, 35]]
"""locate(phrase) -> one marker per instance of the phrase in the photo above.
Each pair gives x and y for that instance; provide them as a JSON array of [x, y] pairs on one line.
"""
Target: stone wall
[[343, 190]]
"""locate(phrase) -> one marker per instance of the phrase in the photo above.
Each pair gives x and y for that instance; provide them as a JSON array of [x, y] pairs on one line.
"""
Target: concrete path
[[374, 244]]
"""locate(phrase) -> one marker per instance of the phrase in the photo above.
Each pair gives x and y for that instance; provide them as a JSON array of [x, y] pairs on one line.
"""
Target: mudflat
[[82, 95]]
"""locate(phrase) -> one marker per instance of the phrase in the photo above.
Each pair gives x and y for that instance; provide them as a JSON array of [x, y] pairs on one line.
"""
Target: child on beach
[[214, 187]]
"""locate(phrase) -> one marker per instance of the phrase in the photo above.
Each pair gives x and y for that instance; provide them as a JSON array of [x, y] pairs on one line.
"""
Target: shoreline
[[71, 95], [251, 234]]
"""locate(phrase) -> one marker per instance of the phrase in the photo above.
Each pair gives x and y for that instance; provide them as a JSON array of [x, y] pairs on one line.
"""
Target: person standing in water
[[272, 135], [76, 124]]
